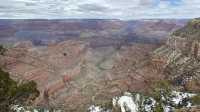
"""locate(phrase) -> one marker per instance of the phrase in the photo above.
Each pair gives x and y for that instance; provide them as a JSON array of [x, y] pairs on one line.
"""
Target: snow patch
[[130, 103], [138, 103], [179, 97], [94, 108]]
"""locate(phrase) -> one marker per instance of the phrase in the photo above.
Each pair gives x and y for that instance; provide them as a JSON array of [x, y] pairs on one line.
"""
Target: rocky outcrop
[[179, 57]]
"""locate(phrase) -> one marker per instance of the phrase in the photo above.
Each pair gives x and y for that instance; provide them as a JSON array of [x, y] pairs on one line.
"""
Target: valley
[[77, 63]]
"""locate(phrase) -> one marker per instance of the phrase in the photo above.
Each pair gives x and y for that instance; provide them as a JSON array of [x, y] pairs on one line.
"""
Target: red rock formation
[[72, 73]]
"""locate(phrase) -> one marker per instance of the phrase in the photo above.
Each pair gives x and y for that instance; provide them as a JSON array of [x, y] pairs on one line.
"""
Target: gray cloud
[[93, 8], [118, 9], [147, 2]]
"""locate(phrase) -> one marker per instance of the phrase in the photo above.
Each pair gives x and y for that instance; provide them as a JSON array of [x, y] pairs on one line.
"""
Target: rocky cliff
[[180, 57]]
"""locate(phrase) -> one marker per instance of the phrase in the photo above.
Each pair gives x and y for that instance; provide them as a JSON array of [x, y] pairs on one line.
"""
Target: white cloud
[[118, 9]]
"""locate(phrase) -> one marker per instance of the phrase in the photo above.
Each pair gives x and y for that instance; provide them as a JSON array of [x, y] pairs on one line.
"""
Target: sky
[[99, 9]]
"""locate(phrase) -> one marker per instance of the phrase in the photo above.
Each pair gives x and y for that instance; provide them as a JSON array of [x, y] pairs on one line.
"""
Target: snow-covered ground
[[132, 102], [94, 108], [138, 103]]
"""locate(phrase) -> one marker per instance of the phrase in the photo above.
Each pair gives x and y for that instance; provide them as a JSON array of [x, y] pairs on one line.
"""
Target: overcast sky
[[99, 9]]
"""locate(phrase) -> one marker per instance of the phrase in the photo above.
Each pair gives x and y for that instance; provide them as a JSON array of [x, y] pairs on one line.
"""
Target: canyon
[[76, 63]]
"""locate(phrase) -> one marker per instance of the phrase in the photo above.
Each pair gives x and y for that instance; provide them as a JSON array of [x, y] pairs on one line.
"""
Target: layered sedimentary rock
[[72, 74], [77, 73], [180, 56]]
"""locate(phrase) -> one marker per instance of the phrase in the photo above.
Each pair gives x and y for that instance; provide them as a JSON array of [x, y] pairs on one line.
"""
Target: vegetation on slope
[[12, 92], [191, 30], [2, 50], [184, 67]]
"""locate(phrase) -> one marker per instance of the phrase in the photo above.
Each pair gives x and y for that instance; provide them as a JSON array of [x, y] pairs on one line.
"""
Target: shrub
[[196, 99], [2, 50], [11, 92], [160, 88], [158, 108]]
